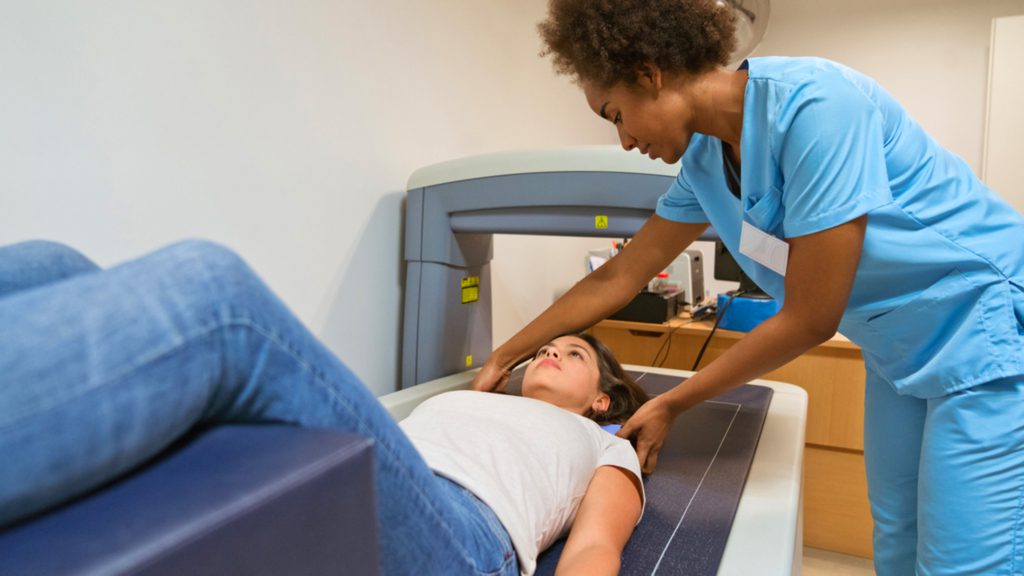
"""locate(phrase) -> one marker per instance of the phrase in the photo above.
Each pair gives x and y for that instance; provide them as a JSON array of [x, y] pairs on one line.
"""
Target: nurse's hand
[[491, 378], [649, 426]]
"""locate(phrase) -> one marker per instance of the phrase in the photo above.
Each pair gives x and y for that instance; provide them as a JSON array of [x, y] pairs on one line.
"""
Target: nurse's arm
[[819, 277], [610, 509], [600, 294]]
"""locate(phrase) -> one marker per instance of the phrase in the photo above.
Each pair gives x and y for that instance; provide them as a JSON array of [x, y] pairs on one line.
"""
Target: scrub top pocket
[[765, 212]]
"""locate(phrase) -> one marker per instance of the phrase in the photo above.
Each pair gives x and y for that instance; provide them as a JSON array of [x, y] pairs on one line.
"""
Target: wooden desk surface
[[683, 324]]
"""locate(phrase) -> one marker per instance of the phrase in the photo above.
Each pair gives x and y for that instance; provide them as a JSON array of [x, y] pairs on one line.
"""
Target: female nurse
[[838, 204]]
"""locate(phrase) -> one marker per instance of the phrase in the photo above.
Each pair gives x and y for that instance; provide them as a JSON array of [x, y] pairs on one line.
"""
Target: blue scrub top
[[938, 301]]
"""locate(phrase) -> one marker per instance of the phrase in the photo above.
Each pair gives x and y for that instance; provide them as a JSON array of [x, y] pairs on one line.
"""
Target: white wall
[[931, 54], [285, 129], [1002, 168]]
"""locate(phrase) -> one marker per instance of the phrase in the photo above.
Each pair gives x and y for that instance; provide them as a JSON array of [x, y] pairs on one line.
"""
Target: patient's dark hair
[[606, 42], [626, 396]]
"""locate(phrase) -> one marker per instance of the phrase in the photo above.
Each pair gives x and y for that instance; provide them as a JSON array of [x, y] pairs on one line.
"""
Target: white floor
[[823, 563]]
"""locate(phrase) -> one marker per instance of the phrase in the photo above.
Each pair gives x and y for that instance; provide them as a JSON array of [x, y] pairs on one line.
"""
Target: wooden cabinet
[[836, 512]]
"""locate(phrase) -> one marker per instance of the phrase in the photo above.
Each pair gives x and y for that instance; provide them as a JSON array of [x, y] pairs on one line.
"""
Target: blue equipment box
[[746, 312]]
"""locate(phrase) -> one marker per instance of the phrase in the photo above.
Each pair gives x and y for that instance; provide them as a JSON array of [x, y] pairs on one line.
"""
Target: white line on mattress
[[641, 377], [699, 484], [717, 402]]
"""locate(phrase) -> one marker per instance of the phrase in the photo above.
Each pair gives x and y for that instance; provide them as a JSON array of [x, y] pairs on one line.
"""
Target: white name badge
[[763, 248]]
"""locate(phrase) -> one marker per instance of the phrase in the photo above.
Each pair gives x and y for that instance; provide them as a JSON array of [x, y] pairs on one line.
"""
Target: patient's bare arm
[[609, 511]]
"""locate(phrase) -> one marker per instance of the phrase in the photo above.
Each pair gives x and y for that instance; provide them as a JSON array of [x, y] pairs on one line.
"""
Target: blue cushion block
[[233, 500], [745, 313]]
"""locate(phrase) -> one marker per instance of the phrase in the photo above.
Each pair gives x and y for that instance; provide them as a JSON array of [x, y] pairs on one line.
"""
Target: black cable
[[668, 340], [668, 349], [718, 319]]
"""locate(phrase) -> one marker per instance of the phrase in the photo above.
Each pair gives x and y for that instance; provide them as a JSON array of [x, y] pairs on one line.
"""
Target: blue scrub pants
[[946, 479], [102, 369]]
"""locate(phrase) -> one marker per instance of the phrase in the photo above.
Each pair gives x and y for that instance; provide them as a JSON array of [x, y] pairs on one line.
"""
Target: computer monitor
[[726, 268]]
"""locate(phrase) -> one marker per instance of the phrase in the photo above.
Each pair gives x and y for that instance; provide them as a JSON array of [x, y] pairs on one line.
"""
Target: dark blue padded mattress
[[693, 494]]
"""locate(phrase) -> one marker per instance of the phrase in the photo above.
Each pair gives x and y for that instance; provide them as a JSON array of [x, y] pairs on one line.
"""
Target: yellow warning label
[[469, 361], [600, 222], [470, 289]]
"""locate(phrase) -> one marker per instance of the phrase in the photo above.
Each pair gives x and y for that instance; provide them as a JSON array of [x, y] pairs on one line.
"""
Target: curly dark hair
[[605, 42], [625, 394]]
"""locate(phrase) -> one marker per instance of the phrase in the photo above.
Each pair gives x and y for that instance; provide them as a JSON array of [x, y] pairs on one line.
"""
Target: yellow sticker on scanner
[[470, 289], [469, 361], [600, 222]]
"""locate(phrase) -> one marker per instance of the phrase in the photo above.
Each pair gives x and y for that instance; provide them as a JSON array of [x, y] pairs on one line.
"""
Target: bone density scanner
[[453, 210]]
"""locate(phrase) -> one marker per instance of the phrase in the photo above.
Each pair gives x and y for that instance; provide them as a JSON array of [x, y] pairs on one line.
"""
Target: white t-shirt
[[530, 461]]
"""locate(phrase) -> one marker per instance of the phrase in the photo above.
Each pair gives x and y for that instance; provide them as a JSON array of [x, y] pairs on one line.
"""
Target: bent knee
[[37, 262], [224, 271], [49, 253], [210, 254]]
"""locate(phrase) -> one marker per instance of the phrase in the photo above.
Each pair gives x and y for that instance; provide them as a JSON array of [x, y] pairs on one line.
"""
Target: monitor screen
[[726, 268]]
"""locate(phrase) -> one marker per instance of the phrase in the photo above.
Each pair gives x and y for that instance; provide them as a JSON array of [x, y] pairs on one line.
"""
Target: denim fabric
[[101, 371], [946, 479], [36, 263]]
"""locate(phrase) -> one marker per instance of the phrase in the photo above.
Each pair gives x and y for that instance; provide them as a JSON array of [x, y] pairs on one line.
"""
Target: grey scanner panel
[[446, 331], [621, 221], [513, 203], [449, 236]]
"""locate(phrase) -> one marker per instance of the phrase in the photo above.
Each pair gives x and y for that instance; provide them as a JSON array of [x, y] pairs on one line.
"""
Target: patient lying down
[[477, 483], [541, 461]]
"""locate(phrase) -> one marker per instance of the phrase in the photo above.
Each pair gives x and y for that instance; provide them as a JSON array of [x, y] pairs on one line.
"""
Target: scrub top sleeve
[[831, 153], [679, 203]]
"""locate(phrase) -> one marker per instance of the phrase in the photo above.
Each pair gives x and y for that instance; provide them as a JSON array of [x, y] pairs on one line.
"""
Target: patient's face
[[564, 373]]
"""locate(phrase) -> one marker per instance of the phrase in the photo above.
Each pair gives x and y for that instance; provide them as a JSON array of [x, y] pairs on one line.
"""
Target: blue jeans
[[946, 479], [102, 369]]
